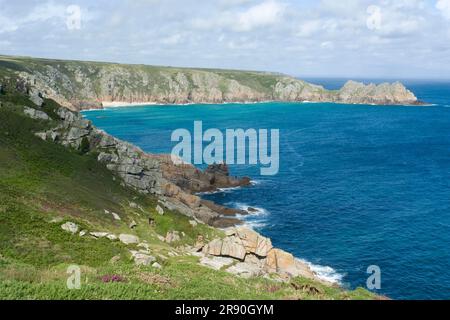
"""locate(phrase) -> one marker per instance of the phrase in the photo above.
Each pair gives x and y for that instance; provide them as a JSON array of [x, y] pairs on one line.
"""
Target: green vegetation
[[43, 185]]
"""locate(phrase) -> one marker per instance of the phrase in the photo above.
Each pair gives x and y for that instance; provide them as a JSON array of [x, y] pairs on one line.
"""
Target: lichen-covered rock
[[282, 262], [172, 236], [128, 239], [254, 242], [159, 210], [245, 270], [142, 259], [35, 114], [216, 263], [233, 247], [36, 97], [213, 248], [70, 227], [99, 235], [112, 237]]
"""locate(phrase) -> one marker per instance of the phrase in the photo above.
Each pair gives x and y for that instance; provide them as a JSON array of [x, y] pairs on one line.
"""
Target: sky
[[322, 38]]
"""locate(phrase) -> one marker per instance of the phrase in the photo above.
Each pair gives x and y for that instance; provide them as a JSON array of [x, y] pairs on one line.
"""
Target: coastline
[[125, 104], [118, 104]]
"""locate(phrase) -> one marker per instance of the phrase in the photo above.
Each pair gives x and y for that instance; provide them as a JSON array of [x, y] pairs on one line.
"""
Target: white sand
[[108, 104]]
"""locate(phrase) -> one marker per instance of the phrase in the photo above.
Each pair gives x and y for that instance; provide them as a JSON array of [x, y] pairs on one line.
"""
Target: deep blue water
[[358, 185]]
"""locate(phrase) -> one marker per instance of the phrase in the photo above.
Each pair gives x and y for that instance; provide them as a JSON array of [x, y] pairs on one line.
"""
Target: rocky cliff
[[83, 85]]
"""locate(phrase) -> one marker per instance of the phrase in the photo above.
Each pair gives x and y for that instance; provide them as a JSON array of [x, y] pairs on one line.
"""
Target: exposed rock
[[238, 243], [41, 135], [115, 259], [255, 254], [156, 265], [233, 247], [230, 232], [106, 141], [200, 243], [70, 227], [281, 262], [35, 114], [133, 205], [172, 236], [36, 97], [144, 245], [219, 175], [253, 242], [142, 259], [159, 210], [82, 233], [224, 211], [245, 270], [116, 216], [213, 248], [99, 235], [133, 224], [76, 134], [193, 223], [216, 263], [112, 237], [192, 180], [107, 157], [128, 239], [385, 93], [68, 116]]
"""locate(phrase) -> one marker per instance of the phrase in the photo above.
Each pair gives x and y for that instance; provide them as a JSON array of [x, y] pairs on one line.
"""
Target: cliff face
[[81, 85]]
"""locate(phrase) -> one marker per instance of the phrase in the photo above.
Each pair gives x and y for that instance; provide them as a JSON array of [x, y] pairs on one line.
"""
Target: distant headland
[[80, 85]]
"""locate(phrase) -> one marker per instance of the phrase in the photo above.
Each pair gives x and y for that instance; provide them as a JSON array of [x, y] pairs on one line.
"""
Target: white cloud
[[325, 37], [173, 39], [7, 24], [39, 14], [261, 15], [309, 28], [267, 13], [444, 7]]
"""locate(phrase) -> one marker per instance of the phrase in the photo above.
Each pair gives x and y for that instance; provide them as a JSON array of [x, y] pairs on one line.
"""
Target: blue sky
[[353, 38]]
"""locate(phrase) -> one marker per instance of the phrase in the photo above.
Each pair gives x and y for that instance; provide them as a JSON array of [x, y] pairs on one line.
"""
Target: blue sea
[[358, 185]]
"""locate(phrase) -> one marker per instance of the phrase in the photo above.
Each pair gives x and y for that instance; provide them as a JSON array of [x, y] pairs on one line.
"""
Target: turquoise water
[[358, 185]]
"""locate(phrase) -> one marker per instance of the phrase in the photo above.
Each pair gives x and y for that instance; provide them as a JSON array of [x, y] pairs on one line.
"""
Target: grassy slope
[[40, 181]]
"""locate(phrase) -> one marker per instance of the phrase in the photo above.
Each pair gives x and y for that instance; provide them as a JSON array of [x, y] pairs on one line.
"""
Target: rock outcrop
[[86, 85], [35, 114], [128, 239], [383, 94], [70, 227], [251, 255]]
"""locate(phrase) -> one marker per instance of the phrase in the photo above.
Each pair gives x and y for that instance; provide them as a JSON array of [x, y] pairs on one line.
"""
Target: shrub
[[85, 146]]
